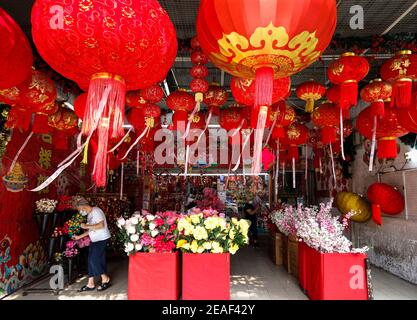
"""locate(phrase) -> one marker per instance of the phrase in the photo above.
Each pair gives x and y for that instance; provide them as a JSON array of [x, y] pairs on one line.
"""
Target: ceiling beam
[[399, 18]]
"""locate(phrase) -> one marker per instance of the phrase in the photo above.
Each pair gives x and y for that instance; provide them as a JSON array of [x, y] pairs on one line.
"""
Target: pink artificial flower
[[147, 240], [159, 222]]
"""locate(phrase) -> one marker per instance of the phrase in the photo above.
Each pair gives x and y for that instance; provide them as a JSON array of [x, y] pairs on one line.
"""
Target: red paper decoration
[[199, 85], [231, 118], [146, 117], [216, 96], [327, 118], [286, 116], [310, 91], [296, 134], [79, 105], [152, 94], [387, 132], [108, 48], [376, 92], [401, 70], [347, 71], [135, 99], [384, 198], [199, 71], [15, 53], [182, 103]]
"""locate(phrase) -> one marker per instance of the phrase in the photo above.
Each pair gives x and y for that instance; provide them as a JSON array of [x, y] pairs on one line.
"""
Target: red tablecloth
[[206, 276], [154, 276]]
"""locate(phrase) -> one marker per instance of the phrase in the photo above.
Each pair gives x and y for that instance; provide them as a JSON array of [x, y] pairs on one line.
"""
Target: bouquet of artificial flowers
[[45, 205], [145, 232], [71, 250], [206, 212], [58, 232], [212, 234], [73, 226]]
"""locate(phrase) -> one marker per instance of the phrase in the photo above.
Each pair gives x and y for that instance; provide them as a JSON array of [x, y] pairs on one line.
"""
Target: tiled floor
[[253, 277]]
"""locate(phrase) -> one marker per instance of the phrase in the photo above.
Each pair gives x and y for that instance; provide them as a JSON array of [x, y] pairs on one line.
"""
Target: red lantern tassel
[[293, 152], [40, 124], [387, 148], [263, 98], [401, 93], [378, 109], [105, 110], [376, 214], [328, 135], [349, 93]]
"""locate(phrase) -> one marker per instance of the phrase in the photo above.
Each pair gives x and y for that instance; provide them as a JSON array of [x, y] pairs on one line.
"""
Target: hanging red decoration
[[231, 118], [346, 72], [327, 118], [408, 116], [152, 94], [199, 71], [296, 134], [387, 132], [310, 91], [19, 119], [146, 117], [181, 103], [198, 57], [65, 124], [135, 99], [195, 43], [127, 46], [385, 198], [199, 85], [41, 121], [79, 105], [286, 116], [375, 93], [16, 57], [401, 70], [216, 96]]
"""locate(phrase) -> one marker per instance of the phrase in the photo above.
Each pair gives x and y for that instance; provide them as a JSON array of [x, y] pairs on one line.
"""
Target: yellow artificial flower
[[235, 221], [196, 218], [207, 245], [211, 223], [183, 224], [181, 243], [233, 249], [232, 234], [200, 250], [216, 247], [222, 223], [244, 225], [200, 233], [188, 230], [194, 246], [186, 246]]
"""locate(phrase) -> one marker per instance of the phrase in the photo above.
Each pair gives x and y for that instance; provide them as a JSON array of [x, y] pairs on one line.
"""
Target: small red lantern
[[144, 118], [387, 131], [408, 116], [384, 198], [152, 94], [401, 70], [286, 116], [135, 99], [199, 85], [376, 92], [65, 123], [310, 91], [231, 118], [16, 57], [347, 71], [199, 71], [40, 122], [19, 119], [296, 134], [216, 96], [327, 118], [181, 103]]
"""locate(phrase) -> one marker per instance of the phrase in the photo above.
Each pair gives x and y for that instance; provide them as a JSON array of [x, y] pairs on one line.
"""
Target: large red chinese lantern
[[107, 48], [376, 92], [264, 40], [385, 198], [346, 72], [296, 134], [15, 53], [401, 70], [408, 116], [310, 91], [65, 123], [387, 131]]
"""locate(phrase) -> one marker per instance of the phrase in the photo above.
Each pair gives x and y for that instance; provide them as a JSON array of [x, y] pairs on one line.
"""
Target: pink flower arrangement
[[83, 242], [209, 212], [210, 200], [145, 232]]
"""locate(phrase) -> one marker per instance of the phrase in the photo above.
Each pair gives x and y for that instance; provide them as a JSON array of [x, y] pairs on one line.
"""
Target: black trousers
[[253, 229], [97, 259]]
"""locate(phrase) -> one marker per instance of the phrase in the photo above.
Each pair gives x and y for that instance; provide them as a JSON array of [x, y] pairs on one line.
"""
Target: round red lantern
[[41, 121], [327, 118], [198, 57], [387, 131], [15, 53], [286, 116], [385, 198], [79, 105], [108, 48], [199, 71], [347, 71], [376, 92], [215, 96], [181, 103], [194, 42], [408, 116], [296, 134], [199, 85], [144, 118], [65, 123], [19, 119], [310, 91], [401, 70], [231, 118], [152, 94], [135, 99]]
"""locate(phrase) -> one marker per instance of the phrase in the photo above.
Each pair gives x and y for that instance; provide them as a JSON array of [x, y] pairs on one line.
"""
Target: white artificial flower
[[152, 226], [150, 217], [121, 222], [131, 230], [134, 220], [134, 237], [129, 247], [154, 233], [138, 247]]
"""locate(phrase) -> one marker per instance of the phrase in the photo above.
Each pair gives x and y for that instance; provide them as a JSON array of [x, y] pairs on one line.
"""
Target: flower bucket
[[277, 243], [336, 276], [293, 256], [303, 251], [153, 276], [54, 220], [51, 248], [206, 276], [42, 222]]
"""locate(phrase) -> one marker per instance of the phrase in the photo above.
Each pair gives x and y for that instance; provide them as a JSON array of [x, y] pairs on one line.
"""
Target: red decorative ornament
[[198, 57], [199, 85], [286, 116], [79, 105], [296, 134], [195, 43], [135, 99], [231, 118], [152, 94], [16, 57], [181, 103], [347, 71], [327, 118], [41, 121], [216, 96], [387, 131], [126, 46], [199, 71], [146, 117], [18, 119], [375, 93], [65, 124], [401, 70], [310, 91], [243, 90], [408, 116], [384, 198]]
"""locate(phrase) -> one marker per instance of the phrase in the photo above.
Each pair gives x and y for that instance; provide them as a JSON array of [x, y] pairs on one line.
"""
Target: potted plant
[[207, 244], [150, 242]]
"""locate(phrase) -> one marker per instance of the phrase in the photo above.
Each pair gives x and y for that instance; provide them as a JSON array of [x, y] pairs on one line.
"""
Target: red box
[[336, 276], [206, 276], [154, 276], [302, 265]]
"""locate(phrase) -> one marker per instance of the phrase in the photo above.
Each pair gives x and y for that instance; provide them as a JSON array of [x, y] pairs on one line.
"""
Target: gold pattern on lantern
[[338, 68], [47, 138], [91, 43], [128, 12], [10, 93], [293, 133], [85, 5], [45, 158], [68, 20], [196, 119], [109, 22], [150, 122], [401, 66], [131, 46], [242, 56]]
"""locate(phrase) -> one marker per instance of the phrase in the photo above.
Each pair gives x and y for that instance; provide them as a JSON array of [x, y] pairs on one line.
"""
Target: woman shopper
[[99, 233]]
